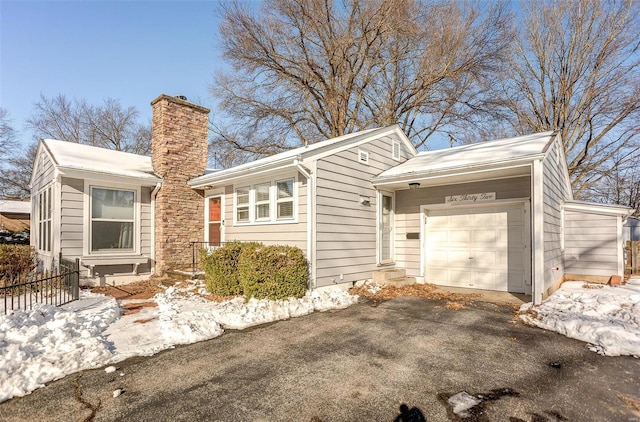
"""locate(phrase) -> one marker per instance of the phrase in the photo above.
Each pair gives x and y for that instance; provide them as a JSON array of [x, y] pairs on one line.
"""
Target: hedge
[[273, 272], [16, 261], [221, 268], [256, 270]]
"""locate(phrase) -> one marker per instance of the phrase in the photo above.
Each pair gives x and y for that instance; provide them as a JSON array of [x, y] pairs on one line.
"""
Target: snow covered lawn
[[606, 317], [48, 343]]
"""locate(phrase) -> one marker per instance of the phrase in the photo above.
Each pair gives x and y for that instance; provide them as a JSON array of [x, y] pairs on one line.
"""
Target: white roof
[[312, 151], [483, 153], [90, 159], [15, 207]]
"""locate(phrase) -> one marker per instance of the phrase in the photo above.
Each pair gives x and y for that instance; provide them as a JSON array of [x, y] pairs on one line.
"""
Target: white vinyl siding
[[555, 193], [591, 244], [285, 231], [346, 229], [408, 218]]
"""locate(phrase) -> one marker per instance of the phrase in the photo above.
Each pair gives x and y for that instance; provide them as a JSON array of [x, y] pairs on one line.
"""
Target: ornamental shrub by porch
[[16, 261], [221, 268], [273, 272]]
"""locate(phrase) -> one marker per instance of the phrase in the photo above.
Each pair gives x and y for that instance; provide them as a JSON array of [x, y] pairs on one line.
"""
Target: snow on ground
[[47, 343], [606, 317]]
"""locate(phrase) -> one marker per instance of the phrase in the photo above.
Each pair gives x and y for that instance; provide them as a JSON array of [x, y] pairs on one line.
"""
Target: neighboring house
[[631, 229], [14, 215], [497, 215]]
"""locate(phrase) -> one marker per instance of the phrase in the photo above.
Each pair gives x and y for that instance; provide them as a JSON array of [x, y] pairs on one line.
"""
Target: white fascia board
[[217, 179], [108, 177], [356, 141], [462, 170], [601, 209]]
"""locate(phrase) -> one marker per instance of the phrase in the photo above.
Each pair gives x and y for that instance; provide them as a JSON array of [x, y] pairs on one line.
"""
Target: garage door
[[479, 247]]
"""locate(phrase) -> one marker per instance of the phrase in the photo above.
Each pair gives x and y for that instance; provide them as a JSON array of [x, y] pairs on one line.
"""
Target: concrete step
[[399, 282], [380, 276]]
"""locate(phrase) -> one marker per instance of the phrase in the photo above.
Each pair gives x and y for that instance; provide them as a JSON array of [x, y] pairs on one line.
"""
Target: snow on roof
[[283, 156], [87, 158], [15, 207], [501, 150]]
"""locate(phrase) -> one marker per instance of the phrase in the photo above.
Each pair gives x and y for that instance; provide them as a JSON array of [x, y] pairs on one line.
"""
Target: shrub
[[221, 268], [273, 272], [16, 261]]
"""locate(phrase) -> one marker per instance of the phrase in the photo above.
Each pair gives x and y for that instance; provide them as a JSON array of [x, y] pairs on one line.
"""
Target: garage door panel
[[494, 237]]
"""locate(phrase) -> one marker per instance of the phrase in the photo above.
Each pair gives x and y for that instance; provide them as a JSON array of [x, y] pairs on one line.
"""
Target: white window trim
[[45, 191], [392, 251], [88, 185], [269, 201], [273, 203], [291, 199]]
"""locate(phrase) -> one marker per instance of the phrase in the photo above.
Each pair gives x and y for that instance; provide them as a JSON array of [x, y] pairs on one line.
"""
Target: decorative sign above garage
[[470, 198]]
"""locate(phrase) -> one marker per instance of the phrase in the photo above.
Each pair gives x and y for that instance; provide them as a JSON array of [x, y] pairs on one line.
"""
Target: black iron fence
[[196, 247], [56, 287]]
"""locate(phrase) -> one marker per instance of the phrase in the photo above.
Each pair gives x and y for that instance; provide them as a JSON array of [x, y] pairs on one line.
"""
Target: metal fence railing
[[195, 253], [56, 287]]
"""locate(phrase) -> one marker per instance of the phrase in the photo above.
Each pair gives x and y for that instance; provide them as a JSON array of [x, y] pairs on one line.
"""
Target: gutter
[[154, 193], [310, 204], [220, 177]]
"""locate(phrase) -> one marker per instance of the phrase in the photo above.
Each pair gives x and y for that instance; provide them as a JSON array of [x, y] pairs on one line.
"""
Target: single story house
[[496, 215], [15, 215]]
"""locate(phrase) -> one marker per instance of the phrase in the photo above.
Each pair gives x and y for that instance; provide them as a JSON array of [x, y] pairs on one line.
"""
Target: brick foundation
[[178, 154]]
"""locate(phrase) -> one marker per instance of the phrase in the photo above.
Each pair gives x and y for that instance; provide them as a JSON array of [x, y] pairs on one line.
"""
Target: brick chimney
[[179, 136]]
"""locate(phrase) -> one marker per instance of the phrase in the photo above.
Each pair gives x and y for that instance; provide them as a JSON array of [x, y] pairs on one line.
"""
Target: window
[[44, 219], [266, 202], [285, 199], [395, 150], [112, 220], [363, 156], [263, 201], [242, 205]]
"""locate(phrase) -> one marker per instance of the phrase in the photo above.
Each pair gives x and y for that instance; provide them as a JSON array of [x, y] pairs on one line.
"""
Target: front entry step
[[392, 277]]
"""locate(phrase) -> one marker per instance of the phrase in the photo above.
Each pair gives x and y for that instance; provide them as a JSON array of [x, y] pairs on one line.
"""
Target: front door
[[215, 221]]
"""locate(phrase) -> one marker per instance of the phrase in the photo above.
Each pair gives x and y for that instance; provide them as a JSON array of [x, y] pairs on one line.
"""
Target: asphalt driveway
[[358, 364]]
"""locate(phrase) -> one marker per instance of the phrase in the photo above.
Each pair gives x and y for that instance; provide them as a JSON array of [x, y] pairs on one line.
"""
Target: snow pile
[[371, 286], [48, 343], [608, 318], [462, 403]]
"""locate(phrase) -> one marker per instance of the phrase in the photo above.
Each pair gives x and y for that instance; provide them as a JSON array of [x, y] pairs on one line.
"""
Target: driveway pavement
[[358, 364]]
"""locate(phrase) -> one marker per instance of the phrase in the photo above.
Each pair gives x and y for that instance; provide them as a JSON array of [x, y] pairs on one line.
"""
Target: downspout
[[154, 193], [307, 173]]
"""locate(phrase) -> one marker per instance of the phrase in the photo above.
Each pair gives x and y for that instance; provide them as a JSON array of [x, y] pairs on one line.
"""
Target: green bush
[[273, 272], [221, 268], [16, 261]]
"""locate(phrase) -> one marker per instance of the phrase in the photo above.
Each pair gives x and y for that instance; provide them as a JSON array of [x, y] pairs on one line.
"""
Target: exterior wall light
[[414, 185]]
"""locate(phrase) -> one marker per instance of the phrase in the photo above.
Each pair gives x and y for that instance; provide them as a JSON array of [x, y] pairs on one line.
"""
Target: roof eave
[[149, 180]]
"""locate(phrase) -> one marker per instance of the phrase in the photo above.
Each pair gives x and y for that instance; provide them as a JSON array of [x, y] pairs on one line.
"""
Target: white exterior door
[[480, 247], [385, 233]]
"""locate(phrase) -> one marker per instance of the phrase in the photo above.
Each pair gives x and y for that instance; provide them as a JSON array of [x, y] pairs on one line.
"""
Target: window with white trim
[[263, 201], [45, 211], [112, 220], [284, 199], [266, 202], [242, 205]]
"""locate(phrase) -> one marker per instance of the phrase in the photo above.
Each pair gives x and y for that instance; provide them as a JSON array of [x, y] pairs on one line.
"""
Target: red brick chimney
[[179, 136]]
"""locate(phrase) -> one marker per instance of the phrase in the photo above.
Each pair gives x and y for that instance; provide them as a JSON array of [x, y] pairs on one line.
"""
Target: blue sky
[[132, 51]]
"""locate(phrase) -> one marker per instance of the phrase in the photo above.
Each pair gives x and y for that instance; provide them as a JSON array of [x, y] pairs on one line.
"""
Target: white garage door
[[479, 247]]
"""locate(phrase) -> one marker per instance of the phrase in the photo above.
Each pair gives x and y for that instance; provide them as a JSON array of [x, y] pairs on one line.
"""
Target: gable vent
[[363, 156]]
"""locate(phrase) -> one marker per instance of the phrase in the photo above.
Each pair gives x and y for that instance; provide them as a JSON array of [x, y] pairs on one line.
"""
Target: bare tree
[[108, 125], [576, 69], [306, 70], [8, 140]]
